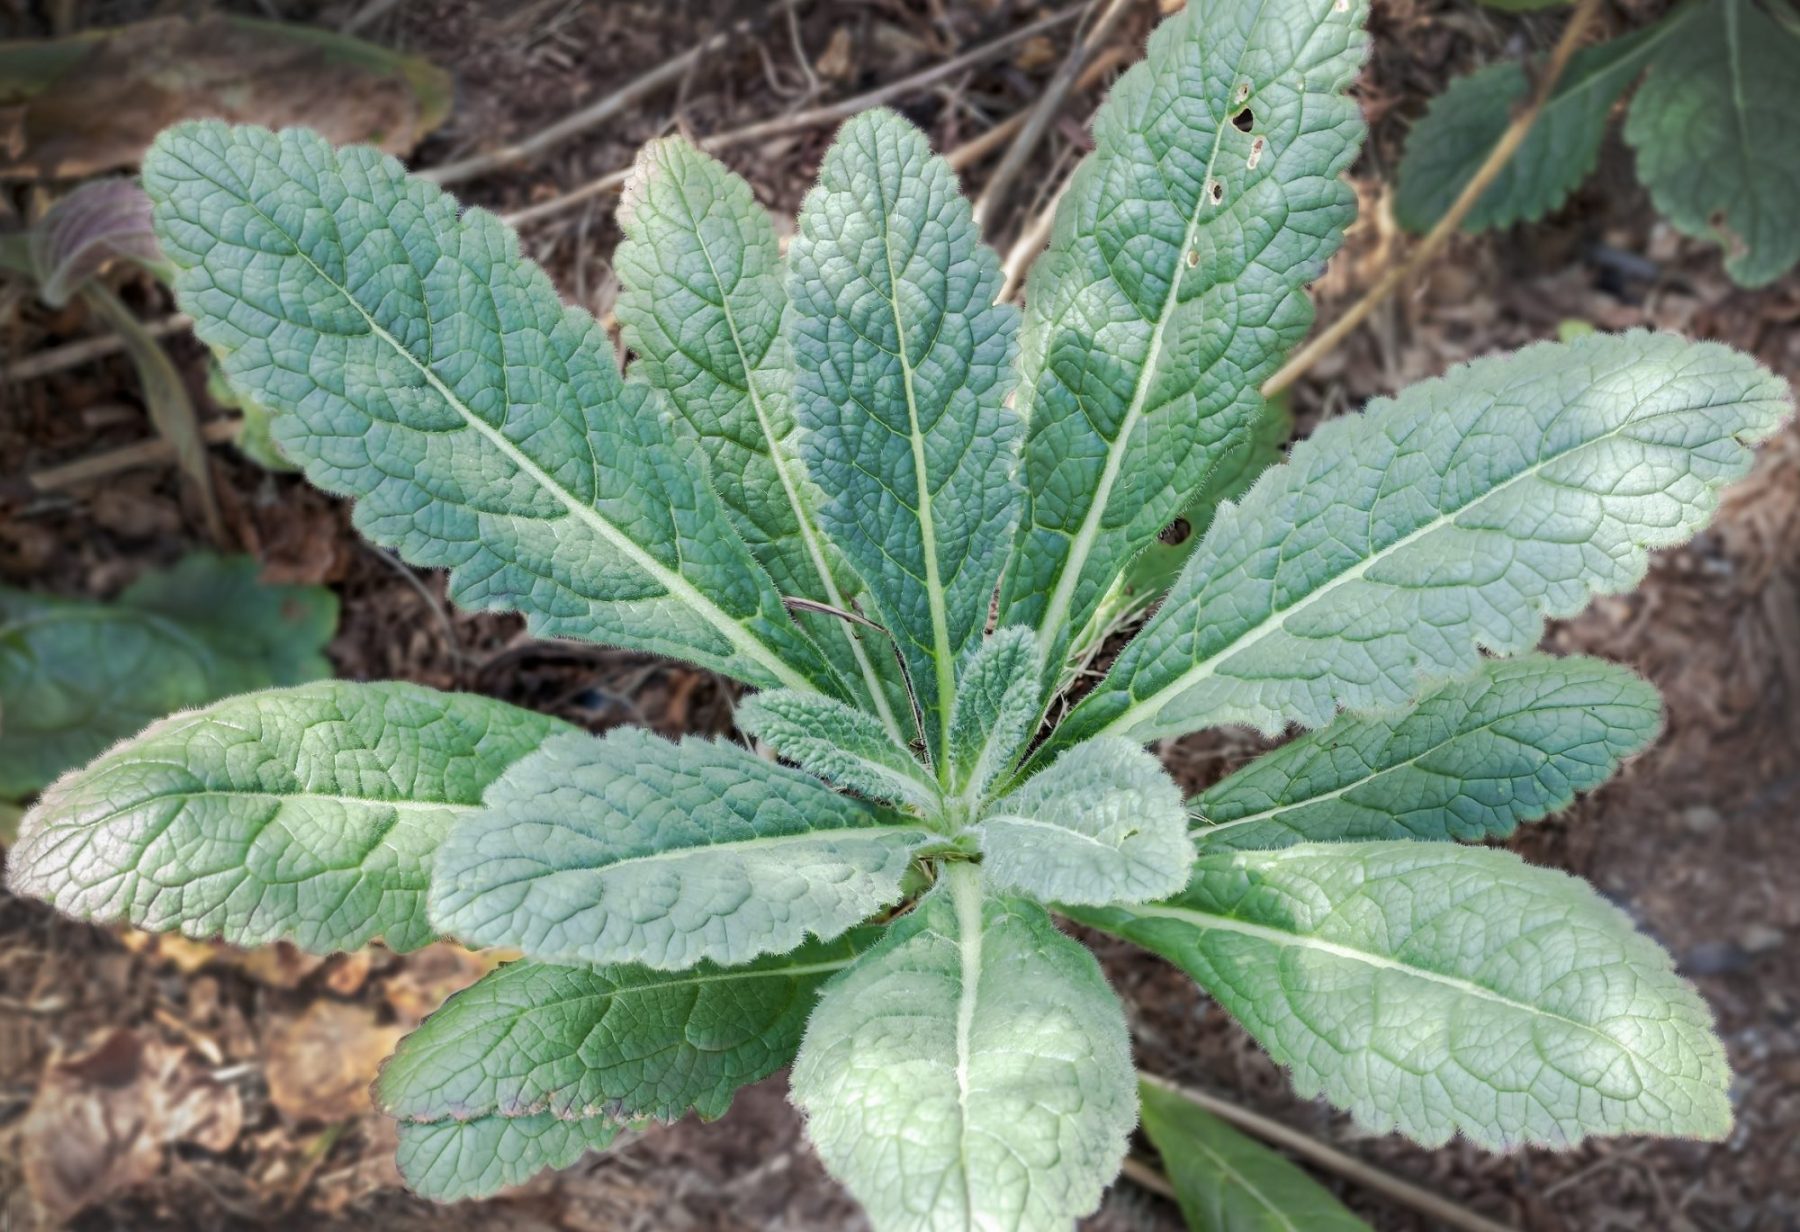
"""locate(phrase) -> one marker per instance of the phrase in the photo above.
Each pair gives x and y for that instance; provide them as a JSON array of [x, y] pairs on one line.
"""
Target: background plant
[[1709, 127], [666, 894]]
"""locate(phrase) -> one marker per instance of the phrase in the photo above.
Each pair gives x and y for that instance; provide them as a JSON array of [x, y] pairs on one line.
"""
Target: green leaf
[[903, 375], [1513, 742], [1148, 576], [310, 814], [1717, 146], [1460, 127], [701, 307], [451, 1160], [1227, 1183], [632, 849], [1437, 989], [971, 1072], [840, 744], [1174, 283], [1395, 544], [999, 697], [416, 361], [1104, 824], [626, 1043], [77, 676]]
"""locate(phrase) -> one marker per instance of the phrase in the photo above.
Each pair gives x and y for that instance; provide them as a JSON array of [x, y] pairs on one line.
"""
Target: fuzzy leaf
[[309, 813], [1394, 545], [1717, 144], [1174, 283], [1225, 1182], [1149, 574], [632, 849], [416, 361], [999, 696], [77, 677], [839, 744], [970, 1073], [1513, 742], [902, 365], [626, 1043], [1434, 989], [1453, 138], [1104, 824], [701, 307], [451, 1160]]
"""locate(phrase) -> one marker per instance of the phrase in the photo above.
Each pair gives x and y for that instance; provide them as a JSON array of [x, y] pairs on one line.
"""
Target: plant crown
[[826, 474]]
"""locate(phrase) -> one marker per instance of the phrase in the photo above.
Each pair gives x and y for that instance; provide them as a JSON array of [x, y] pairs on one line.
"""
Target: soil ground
[[1695, 839]]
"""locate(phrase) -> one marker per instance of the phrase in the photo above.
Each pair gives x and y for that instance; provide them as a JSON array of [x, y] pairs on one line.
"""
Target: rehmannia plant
[[848, 478]]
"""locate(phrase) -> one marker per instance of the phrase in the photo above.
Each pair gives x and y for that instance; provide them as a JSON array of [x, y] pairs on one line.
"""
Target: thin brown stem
[[157, 452], [1440, 234], [1317, 1153], [85, 350], [990, 206]]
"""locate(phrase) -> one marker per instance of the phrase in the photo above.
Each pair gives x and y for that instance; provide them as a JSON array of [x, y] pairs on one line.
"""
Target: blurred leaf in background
[[76, 675]]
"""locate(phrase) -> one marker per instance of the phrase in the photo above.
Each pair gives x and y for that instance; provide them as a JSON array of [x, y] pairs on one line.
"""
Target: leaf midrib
[[1205, 920], [943, 661], [1082, 546], [1199, 673], [672, 582], [809, 533]]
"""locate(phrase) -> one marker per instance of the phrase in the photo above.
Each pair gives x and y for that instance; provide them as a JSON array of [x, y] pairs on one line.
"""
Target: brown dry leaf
[[102, 1120], [75, 107], [320, 1064], [347, 973], [428, 976], [837, 62], [179, 952], [281, 965]]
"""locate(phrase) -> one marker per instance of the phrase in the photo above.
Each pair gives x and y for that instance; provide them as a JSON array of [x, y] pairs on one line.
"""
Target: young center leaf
[[1174, 282], [626, 1042], [1513, 742], [1104, 824], [1225, 1182], [1396, 544], [1717, 146], [78, 676], [970, 1073], [902, 376], [451, 1160], [1458, 131], [999, 698], [840, 744], [1437, 989], [633, 849], [310, 814], [701, 306], [416, 361]]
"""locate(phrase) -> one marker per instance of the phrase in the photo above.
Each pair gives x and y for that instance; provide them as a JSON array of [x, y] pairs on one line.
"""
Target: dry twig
[[990, 206], [812, 117], [1440, 234], [594, 113], [86, 350]]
